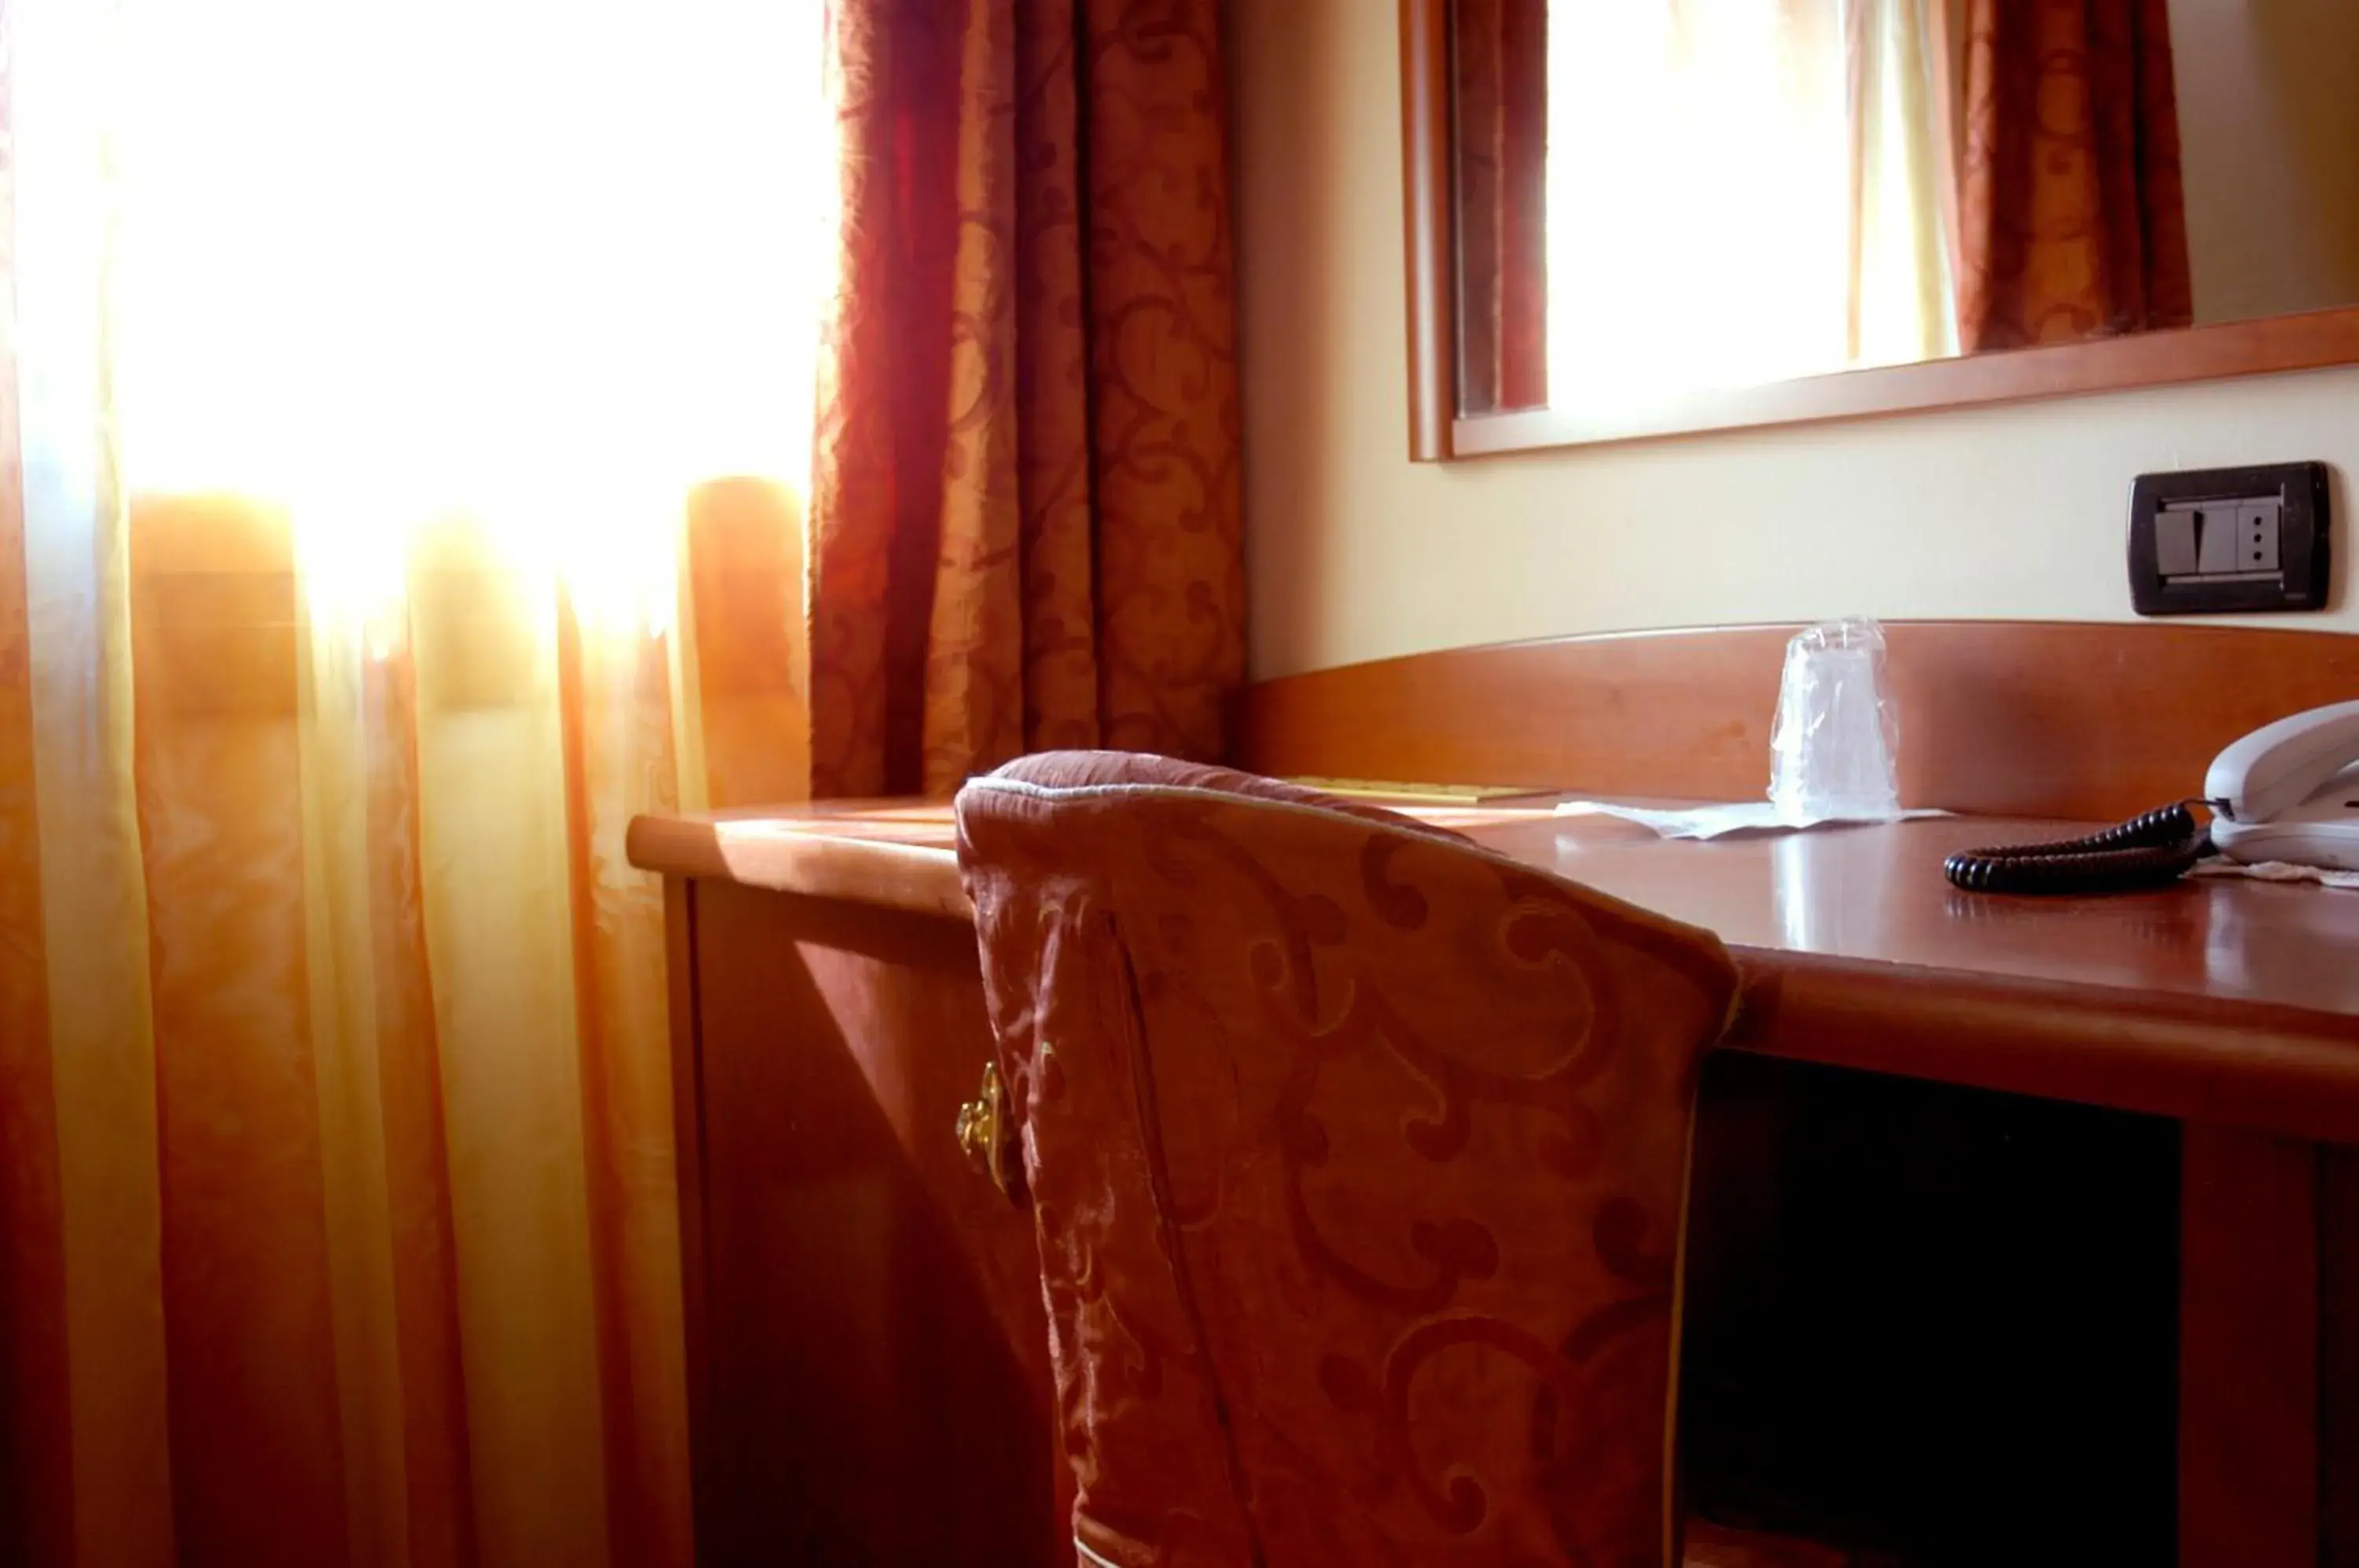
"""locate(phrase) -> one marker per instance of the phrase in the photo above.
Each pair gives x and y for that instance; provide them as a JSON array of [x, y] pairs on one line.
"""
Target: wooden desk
[[842, 1259]]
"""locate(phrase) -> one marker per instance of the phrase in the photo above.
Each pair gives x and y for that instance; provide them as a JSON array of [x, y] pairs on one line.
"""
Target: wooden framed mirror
[[1638, 218]]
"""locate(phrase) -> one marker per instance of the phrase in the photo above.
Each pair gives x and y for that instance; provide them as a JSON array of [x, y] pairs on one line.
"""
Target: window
[[549, 263], [1740, 191]]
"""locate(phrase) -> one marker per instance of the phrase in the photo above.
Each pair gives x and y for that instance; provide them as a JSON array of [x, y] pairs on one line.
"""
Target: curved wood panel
[[2064, 719]]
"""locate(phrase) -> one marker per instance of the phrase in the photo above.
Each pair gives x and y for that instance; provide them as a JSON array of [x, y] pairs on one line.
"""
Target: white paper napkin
[[1719, 821], [2277, 871]]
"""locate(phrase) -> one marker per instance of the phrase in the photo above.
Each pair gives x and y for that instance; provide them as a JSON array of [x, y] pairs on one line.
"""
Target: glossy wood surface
[[709, 1509], [861, 1310], [1427, 222], [2304, 340], [2229, 999], [893, 855], [2248, 1349], [1861, 895], [2338, 1348], [846, 1268], [2023, 718], [869, 1377]]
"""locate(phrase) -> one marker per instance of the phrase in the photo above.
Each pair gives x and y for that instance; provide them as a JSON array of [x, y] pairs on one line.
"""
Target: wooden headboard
[[2020, 718]]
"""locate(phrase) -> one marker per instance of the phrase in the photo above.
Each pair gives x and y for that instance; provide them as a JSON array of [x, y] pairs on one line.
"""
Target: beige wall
[[1356, 554], [2269, 119]]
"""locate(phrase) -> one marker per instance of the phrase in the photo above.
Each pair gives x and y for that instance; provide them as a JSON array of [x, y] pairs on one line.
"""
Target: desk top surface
[[1873, 894], [1855, 947]]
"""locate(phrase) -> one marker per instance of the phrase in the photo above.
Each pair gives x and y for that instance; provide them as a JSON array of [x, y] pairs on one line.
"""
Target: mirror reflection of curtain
[[1743, 191], [1502, 108], [1904, 195], [2073, 219]]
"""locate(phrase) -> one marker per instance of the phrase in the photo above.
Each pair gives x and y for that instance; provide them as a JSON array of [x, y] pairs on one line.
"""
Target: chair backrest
[[1357, 1157]]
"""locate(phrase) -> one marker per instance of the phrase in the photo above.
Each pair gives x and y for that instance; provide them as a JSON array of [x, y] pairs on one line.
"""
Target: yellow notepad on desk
[[1417, 794]]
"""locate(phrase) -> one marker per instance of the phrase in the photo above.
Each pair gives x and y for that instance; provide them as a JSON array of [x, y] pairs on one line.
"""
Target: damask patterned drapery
[[2073, 215], [374, 543], [1024, 508]]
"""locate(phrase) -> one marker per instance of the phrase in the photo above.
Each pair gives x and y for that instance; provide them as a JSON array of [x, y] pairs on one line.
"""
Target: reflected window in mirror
[[1661, 196]]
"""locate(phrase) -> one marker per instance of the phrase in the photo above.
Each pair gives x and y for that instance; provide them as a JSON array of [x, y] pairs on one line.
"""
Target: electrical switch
[[2215, 540], [2257, 526], [2174, 542], [2231, 539]]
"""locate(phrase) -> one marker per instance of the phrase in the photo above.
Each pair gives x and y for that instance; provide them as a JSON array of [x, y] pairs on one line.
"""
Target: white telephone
[[2290, 792]]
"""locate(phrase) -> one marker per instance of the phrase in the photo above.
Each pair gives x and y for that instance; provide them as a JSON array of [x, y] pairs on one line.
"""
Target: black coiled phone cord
[[2144, 852]]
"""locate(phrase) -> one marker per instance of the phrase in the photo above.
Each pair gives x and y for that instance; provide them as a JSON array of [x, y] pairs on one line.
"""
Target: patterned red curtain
[[2073, 220], [1502, 165], [1025, 509]]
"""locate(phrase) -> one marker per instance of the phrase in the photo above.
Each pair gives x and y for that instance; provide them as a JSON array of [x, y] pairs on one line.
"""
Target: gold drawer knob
[[983, 1126]]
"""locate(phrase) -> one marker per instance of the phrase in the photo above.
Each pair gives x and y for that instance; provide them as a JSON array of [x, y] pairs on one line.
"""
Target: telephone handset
[[2288, 791]]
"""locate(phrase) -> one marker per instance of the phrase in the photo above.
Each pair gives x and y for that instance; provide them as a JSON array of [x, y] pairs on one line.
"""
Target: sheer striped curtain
[[404, 410], [1741, 191]]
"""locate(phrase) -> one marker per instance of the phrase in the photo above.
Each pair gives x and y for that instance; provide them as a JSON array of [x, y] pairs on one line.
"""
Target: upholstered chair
[[1357, 1157]]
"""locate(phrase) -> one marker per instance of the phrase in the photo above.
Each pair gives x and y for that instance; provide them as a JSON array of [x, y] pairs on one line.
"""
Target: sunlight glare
[[1700, 197], [548, 265]]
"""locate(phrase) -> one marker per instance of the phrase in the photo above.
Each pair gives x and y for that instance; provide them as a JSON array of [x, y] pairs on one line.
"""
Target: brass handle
[[983, 1126]]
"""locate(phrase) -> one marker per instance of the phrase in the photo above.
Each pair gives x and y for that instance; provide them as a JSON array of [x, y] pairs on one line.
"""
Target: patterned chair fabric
[[1357, 1157]]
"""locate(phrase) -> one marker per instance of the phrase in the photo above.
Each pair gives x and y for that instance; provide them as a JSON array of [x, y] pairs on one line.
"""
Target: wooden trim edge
[[689, 1176], [1426, 226], [2190, 1058], [2314, 340], [2249, 1263], [805, 859]]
